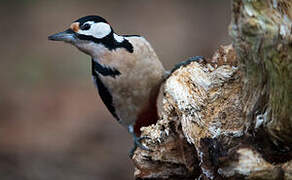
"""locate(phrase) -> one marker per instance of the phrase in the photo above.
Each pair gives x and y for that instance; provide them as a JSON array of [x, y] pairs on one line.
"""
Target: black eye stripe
[[108, 41], [85, 27]]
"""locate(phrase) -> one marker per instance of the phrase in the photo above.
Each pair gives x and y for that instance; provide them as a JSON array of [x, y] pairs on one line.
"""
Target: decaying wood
[[261, 32], [229, 117]]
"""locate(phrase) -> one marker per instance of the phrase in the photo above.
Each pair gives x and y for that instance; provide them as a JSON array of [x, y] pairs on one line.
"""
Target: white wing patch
[[97, 30], [118, 38]]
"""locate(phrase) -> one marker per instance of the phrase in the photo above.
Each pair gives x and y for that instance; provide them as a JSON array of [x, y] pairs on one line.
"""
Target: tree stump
[[229, 117]]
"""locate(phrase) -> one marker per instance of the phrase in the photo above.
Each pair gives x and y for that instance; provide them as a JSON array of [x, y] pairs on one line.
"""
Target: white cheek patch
[[97, 30]]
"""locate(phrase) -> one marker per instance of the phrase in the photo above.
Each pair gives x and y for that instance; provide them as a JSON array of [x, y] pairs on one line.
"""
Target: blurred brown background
[[53, 125]]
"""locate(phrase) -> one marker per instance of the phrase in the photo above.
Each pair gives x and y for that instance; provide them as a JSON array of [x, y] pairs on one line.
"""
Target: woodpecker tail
[[200, 59]]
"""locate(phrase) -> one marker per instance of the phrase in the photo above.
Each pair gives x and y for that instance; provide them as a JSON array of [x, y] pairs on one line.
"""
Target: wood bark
[[229, 117]]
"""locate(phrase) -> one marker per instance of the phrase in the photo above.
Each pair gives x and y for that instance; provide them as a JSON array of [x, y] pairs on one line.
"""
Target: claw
[[142, 138], [137, 143]]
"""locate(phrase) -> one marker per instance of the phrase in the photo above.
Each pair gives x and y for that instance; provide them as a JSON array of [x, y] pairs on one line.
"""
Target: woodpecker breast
[[128, 81]]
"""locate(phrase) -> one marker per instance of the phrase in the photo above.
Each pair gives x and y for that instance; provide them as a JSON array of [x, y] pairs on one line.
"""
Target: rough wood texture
[[261, 32], [229, 117]]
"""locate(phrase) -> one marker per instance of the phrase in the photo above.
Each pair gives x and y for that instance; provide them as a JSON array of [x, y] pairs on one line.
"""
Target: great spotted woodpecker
[[125, 69]]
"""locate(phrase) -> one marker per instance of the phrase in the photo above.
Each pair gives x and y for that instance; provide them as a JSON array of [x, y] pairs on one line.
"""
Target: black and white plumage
[[126, 70]]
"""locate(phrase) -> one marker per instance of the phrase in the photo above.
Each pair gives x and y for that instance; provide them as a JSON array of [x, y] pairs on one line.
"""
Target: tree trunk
[[229, 117]]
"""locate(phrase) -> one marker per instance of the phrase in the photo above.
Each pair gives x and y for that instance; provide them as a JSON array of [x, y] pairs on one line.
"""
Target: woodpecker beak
[[66, 36]]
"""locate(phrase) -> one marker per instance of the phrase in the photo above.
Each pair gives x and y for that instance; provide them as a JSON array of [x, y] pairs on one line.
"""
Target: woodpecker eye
[[85, 27]]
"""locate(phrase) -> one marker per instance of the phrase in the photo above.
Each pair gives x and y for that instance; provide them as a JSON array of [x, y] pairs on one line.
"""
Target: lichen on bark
[[261, 33], [229, 117]]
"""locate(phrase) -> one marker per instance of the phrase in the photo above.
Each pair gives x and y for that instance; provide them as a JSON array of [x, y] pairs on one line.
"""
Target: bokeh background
[[53, 124]]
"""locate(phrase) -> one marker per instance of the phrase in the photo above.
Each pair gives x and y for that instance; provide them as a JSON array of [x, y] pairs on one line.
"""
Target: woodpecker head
[[92, 35]]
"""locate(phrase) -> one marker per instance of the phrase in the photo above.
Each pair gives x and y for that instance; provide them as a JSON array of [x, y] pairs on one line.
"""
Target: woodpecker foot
[[137, 142]]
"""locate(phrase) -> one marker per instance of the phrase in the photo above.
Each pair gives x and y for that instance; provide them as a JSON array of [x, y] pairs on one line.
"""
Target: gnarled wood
[[261, 32], [229, 117]]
